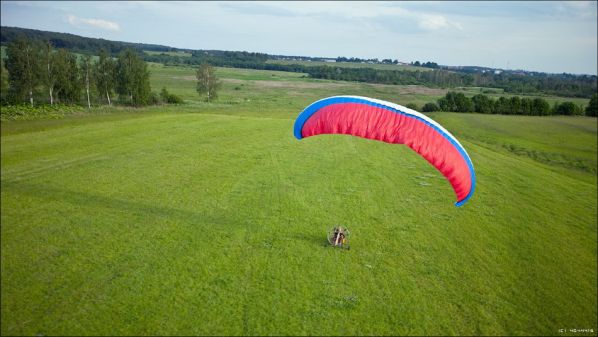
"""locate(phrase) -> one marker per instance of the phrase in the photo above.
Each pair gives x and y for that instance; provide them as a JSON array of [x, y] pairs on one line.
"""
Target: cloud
[[97, 23], [255, 8], [388, 15], [435, 22], [582, 5]]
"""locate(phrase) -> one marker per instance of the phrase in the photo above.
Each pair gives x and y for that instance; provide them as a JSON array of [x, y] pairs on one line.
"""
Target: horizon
[[552, 29]]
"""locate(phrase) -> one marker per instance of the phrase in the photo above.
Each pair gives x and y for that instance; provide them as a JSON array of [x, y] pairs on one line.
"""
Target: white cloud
[[582, 5], [435, 22], [388, 15], [97, 23]]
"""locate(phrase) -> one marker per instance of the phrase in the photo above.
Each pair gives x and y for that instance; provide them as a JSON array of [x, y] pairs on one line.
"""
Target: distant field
[[266, 90], [170, 53], [211, 219], [352, 65]]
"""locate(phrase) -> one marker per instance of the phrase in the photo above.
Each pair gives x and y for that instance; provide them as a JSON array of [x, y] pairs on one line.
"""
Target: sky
[[550, 36]]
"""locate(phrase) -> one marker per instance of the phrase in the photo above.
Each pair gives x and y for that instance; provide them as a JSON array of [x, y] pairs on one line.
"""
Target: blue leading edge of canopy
[[313, 108]]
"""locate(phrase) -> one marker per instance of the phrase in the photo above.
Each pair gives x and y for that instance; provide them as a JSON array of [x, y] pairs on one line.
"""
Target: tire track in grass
[[243, 200], [343, 154], [54, 164]]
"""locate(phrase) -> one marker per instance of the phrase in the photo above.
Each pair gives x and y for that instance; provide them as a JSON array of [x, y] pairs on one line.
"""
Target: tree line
[[359, 60], [37, 71], [75, 43], [562, 85], [480, 103], [428, 64]]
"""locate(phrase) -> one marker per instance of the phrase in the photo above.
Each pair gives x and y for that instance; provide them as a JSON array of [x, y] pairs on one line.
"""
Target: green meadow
[[211, 219], [171, 53]]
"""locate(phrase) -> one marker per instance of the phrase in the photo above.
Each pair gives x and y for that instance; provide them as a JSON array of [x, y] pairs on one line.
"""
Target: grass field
[[261, 91], [211, 219], [171, 53]]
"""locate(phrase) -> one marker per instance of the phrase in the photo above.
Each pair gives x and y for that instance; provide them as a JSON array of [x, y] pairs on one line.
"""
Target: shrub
[[25, 111], [567, 108], [482, 104], [592, 108], [454, 101], [170, 98], [412, 106], [153, 98], [174, 99], [430, 107]]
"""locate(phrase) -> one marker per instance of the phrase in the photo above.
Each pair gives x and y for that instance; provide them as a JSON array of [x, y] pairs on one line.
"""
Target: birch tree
[[104, 75], [68, 84], [207, 82], [86, 76], [3, 81], [124, 75], [23, 65], [132, 78], [50, 70]]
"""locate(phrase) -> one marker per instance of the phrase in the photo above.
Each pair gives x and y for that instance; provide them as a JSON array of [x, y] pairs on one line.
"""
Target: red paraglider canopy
[[391, 123]]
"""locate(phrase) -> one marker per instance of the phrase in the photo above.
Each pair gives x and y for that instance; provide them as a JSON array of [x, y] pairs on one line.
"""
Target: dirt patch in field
[[412, 89], [185, 78], [274, 84], [418, 89], [297, 84], [402, 89]]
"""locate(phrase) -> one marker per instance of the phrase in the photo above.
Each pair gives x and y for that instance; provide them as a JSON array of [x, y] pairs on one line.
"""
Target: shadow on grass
[[102, 202], [316, 239]]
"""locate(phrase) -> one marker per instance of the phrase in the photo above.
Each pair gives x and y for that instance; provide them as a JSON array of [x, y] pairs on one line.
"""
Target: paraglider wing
[[391, 123]]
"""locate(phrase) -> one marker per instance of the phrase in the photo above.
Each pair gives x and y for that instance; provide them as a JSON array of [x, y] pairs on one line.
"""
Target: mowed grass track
[[211, 219]]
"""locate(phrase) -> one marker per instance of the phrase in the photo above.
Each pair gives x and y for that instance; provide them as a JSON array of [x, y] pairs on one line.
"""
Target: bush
[[174, 99], [567, 108], [430, 107], [25, 111], [170, 98], [153, 98], [412, 106], [482, 104], [592, 108], [457, 102], [540, 107]]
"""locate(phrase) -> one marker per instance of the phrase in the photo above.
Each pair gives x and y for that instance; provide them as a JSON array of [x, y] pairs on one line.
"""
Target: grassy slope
[[563, 143], [179, 222]]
